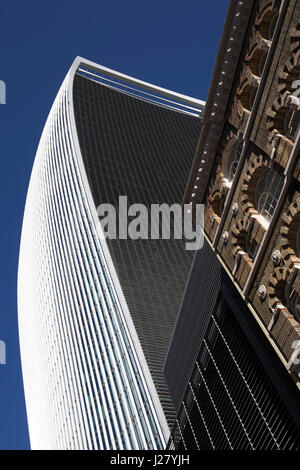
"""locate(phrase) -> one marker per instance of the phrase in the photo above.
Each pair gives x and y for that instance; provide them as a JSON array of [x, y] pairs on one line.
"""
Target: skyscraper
[[96, 315], [233, 363]]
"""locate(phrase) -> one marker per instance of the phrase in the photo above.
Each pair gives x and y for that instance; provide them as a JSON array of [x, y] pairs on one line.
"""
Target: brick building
[[246, 172]]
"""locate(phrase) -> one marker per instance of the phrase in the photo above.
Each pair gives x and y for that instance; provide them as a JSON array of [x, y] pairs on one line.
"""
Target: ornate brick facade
[[253, 211]]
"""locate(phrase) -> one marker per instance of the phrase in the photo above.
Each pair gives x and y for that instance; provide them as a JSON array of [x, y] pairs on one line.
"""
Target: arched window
[[231, 158], [291, 123], [268, 24], [267, 192]]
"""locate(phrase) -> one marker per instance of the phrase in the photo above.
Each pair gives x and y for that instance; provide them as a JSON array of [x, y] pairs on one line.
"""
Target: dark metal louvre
[[227, 397], [144, 151], [195, 311], [230, 401]]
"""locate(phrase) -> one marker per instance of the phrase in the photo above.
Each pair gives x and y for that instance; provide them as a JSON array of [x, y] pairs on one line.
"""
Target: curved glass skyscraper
[[96, 315]]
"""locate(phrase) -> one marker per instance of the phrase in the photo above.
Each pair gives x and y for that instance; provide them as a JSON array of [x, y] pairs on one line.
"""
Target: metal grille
[[191, 324], [230, 402]]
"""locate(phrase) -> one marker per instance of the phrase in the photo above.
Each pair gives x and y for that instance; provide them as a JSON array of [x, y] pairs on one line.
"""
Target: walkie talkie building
[[96, 315]]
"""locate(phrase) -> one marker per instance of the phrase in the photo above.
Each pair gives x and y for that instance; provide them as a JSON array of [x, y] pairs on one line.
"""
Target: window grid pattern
[[267, 192], [84, 384], [230, 402], [143, 151]]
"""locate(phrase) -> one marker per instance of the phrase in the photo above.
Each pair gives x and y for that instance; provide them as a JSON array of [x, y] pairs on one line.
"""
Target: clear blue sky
[[169, 43]]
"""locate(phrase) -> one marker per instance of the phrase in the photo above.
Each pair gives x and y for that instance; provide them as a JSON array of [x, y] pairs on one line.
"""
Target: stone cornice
[[231, 44]]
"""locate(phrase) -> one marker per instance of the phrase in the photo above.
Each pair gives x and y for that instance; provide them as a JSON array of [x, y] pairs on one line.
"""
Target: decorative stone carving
[[225, 237], [255, 168], [293, 102], [276, 257], [262, 292], [234, 209], [276, 286], [290, 223]]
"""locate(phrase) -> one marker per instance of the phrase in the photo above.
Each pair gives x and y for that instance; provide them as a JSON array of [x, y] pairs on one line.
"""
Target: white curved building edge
[[87, 384]]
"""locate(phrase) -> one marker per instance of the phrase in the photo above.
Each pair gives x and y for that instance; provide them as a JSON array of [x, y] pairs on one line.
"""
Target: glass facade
[[87, 382], [144, 151]]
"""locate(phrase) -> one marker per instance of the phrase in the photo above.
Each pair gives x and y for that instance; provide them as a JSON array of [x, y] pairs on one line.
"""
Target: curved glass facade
[[87, 382]]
